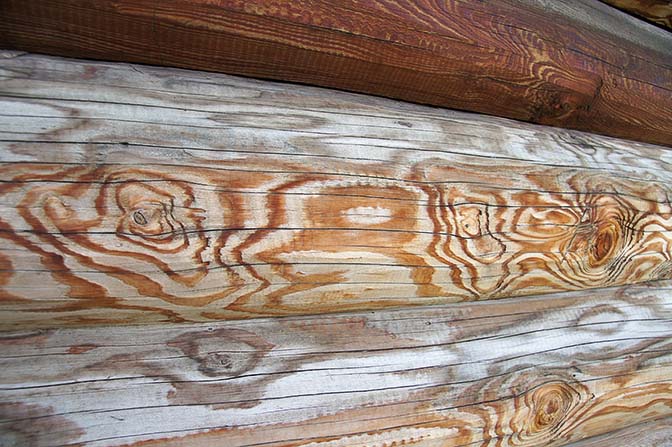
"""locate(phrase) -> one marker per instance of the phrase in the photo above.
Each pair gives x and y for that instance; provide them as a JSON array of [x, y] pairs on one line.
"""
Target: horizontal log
[[522, 372], [580, 65], [656, 433], [140, 194], [656, 11]]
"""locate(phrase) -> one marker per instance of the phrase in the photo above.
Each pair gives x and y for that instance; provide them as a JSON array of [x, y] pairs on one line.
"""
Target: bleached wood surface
[[132, 194], [657, 433], [532, 371]]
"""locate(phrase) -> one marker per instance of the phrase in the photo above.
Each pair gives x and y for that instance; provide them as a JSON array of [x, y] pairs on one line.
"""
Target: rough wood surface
[[657, 433], [133, 194], [656, 11], [572, 64], [521, 372]]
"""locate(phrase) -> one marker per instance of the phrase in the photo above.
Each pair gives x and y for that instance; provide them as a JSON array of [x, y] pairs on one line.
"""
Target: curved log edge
[[134, 194], [656, 11], [571, 64], [521, 372]]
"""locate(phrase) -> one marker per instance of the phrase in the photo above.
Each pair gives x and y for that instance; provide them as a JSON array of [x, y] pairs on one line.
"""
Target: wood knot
[[596, 242], [546, 411], [471, 220], [152, 220], [57, 209], [549, 406], [471, 226], [605, 242], [243, 351], [151, 217], [218, 363], [140, 218]]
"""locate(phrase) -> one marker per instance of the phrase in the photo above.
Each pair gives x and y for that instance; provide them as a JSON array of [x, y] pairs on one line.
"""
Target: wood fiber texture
[[133, 194], [539, 371], [656, 11], [579, 65], [657, 433]]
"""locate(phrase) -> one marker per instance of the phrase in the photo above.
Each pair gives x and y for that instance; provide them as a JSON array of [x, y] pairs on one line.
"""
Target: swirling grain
[[350, 210]]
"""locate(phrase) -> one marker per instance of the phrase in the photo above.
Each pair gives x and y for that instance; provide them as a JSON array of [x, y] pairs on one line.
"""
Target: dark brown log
[[558, 63]]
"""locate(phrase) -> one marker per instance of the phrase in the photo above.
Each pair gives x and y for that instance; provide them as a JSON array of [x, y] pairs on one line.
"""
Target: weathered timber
[[520, 372], [657, 433], [134, 194], [656, 11], [581, 65]]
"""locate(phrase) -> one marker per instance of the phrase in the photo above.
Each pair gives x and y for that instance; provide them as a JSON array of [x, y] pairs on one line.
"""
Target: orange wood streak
[[306, 254], [568, 65], [201, 198], [544, 370]]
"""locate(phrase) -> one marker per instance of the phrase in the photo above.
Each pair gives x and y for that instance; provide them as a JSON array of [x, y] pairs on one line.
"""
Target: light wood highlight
[[132, 194], [538, 371]]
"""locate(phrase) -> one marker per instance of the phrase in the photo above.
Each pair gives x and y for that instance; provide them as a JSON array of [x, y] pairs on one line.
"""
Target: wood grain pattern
[[657, 433], [572, 64], [137, 194], [521, 372], [656, 11]]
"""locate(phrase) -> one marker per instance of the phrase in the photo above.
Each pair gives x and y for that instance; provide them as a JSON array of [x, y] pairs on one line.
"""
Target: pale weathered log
[[575, 64], [657, 433], [135, 194], [518, 372]]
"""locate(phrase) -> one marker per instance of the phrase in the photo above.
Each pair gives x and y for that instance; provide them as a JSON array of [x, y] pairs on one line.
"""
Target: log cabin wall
[[506, 284], [152, 196]]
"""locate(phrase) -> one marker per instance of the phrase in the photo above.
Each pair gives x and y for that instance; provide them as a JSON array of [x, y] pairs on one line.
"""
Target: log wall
[[133, 198]]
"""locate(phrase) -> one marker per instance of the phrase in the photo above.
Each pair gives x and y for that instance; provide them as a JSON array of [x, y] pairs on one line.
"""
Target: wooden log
[[656, 433], [135, 194], [656, 11], [521, 372], [580, 65]]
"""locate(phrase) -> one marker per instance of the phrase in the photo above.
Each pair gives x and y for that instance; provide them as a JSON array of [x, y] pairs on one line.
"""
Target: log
[[655, 11], [134, 194], [656, 433], [533, 371], [580, 65]]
